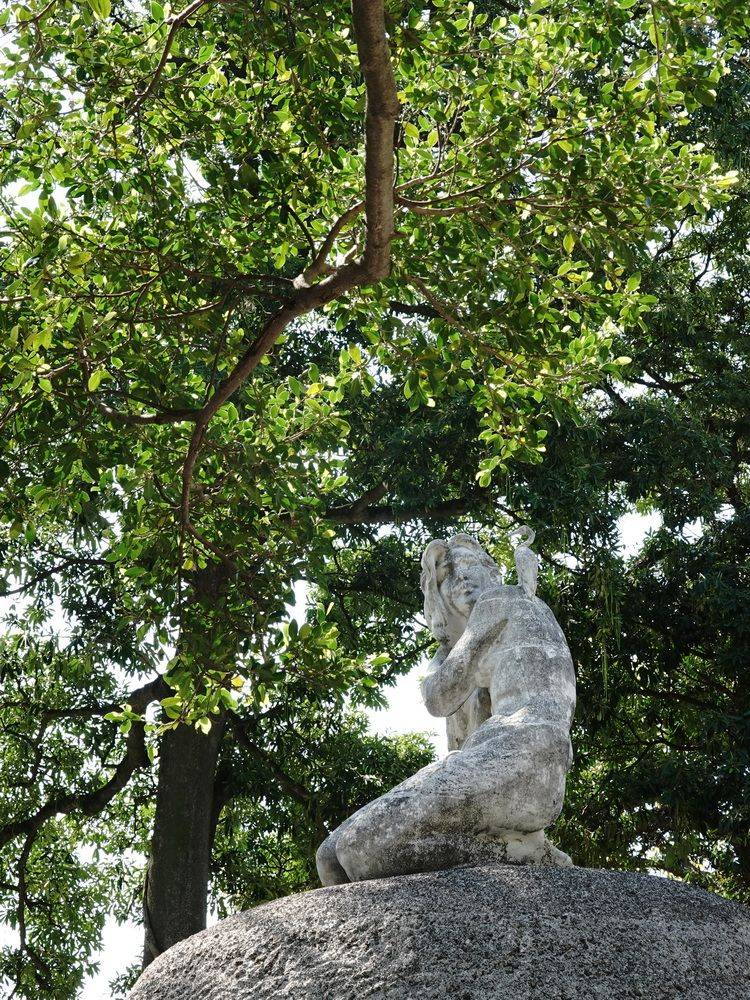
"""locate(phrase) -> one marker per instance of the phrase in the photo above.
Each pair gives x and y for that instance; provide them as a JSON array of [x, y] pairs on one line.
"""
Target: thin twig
[[176, 23]]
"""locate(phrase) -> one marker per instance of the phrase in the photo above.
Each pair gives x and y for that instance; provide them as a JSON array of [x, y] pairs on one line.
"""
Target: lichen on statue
[[503, 678]]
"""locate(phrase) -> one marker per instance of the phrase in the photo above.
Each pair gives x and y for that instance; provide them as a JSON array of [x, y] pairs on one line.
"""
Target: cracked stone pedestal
[[495, 932]]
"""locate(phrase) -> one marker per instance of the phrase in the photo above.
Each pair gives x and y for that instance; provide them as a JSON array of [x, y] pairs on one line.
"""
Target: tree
[[283, 776], [660, 638], [256, 242]]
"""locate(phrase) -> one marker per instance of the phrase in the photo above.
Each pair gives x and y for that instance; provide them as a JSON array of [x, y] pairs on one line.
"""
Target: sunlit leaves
[[101, 8], [95, 379]]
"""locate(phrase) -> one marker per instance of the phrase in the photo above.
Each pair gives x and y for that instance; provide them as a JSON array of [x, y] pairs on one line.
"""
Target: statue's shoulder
[[505, 599], [496, 602], [520, 616], [503, 592]]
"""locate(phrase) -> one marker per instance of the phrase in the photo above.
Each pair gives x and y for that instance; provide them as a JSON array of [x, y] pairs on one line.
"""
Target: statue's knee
[[330, 871], [356, 850], [367, 849]]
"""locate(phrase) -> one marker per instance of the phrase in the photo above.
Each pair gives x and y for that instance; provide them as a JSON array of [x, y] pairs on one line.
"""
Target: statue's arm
[[450, 678]]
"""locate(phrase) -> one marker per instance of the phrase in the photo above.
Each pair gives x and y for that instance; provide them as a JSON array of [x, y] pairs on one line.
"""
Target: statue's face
[[453, 580], [465, 583]]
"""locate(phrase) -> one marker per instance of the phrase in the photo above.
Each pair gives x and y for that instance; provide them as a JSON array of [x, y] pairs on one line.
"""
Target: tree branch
[[319, 264], [370, 497], [168, 416], [419, 309], [91, 803], [382, 110], [380, 119], [176, 23], [138, 699], [297, 791], [440, 307], [51, 571], [41, 969], [387, 513]]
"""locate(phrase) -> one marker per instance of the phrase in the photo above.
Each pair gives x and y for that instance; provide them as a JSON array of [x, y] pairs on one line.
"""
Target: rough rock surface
[[473, 933]]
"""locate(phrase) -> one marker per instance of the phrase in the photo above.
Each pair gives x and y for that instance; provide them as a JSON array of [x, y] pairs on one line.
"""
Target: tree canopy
[[661, 638], [201, 191]]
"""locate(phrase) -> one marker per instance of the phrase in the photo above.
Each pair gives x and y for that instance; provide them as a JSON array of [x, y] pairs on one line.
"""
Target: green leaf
[[76, 261], [633, 282], [101, 8], [36, 223], [96, 378], [706, 95], [728, 180]]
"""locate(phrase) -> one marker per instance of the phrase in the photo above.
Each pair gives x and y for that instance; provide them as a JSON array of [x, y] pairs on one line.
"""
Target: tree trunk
[[176, 894]]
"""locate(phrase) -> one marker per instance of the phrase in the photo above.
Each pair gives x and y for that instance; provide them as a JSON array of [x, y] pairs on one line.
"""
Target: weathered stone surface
[[504, 680], [487, 933]]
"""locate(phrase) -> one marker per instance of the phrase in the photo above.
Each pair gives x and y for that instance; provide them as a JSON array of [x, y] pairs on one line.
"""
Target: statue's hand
[[440, 631], [448, 631], [437, 660]]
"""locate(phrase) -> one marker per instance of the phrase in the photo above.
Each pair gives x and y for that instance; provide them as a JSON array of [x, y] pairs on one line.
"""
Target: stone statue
[[504, 680]]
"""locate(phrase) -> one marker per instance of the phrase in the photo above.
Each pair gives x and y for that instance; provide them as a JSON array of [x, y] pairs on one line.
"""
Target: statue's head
[[455, 572]]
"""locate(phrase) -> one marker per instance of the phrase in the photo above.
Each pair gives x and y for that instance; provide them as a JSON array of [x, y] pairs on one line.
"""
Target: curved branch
[[169, 416], [388, 514], [289, 785], [176, 23], [138, 700], [133, 419], [319, 264], [51, 571], [382, 110], [89, 803]]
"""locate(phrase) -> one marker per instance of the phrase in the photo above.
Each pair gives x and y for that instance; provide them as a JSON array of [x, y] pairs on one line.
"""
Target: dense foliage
[[284, 776], [268, 284], [663, 638], [197, 185], [660, 631]]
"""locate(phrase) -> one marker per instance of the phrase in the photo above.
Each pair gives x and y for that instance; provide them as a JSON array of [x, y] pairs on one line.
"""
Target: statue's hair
[[464, 541], [438, 557]]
